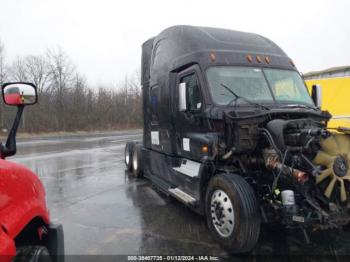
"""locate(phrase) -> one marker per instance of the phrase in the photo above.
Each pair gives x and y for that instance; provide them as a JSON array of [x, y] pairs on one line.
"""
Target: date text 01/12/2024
[[173, 258]]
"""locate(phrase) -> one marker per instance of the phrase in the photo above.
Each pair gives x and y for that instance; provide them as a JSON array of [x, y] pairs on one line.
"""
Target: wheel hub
[[218, 211], [222, 213]]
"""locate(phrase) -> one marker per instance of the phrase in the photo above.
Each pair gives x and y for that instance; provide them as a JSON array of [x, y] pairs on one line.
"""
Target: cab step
[[181, 195]]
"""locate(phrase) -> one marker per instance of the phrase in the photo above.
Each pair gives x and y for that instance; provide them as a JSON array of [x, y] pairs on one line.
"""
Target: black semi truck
[[231, 131]]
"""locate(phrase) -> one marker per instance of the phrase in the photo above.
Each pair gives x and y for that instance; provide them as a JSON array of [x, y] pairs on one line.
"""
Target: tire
[[230, 195], [32, 254], [137, 160], [129, 149]]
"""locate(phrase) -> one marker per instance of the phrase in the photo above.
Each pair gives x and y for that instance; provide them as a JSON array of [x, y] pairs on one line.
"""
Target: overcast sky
[[104, 37]]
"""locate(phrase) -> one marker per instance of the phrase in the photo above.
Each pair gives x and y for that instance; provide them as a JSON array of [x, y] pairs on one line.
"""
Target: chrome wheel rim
[[222, 215]]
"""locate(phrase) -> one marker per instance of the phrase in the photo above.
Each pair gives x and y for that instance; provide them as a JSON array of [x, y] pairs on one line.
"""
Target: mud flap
[[55, 242]]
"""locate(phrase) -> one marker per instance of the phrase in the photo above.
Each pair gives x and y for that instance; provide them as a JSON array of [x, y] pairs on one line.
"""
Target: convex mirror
[[19, 93]]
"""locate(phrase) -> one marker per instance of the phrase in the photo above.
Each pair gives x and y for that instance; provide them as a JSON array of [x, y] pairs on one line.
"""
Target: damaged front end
[[310, 172], [299, 169]]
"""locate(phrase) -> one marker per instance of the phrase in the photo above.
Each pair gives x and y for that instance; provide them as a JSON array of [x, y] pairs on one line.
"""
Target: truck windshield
[[286, 86]]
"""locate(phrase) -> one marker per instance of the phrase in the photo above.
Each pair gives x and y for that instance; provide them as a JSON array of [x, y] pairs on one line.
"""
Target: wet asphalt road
[[104, 210]]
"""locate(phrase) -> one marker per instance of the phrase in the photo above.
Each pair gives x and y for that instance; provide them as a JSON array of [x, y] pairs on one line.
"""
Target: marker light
[[205, 149], [250, 58], [258, 59], [212, 57]]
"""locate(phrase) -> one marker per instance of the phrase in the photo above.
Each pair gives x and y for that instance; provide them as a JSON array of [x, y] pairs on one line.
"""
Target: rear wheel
[[137, 160], [32, 254], [232, 213], [129, 148]]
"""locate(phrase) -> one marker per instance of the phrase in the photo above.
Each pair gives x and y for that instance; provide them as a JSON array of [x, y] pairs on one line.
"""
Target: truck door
[[190, 125]]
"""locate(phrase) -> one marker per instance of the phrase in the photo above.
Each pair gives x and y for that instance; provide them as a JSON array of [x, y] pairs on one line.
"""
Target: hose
[[270, 139], [275, 181]]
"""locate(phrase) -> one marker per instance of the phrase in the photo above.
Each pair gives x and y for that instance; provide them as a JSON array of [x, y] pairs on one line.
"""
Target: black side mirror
[[316, 95], [19, 94]]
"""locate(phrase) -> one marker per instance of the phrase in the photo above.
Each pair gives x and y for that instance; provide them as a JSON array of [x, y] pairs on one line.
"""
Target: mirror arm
[[10, 147]]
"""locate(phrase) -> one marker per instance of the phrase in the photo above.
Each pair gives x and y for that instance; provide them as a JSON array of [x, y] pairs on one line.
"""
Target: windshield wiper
[[299, 106], [237, 97]]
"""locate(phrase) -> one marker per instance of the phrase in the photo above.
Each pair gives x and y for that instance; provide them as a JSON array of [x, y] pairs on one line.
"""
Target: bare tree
[[37, 71], [66, 101], [3, 71], [18, 70], [61, 72], [61, 69], [3, 76]]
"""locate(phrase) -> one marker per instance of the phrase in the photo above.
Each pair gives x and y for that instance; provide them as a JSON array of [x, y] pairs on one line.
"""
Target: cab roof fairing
[[179, 46]]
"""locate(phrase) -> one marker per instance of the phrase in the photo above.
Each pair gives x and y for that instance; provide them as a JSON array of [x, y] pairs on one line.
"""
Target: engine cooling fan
[[334, 155]]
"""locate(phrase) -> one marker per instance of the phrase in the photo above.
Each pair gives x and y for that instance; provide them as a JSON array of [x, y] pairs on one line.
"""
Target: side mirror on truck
[[316, 95], [182, 97], [17, 94]]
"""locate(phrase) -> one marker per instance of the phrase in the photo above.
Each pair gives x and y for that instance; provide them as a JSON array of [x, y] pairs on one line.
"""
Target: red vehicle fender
[[22, 198]]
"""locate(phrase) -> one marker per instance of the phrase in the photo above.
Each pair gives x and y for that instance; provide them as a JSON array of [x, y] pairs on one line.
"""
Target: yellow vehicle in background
[[335, 93]]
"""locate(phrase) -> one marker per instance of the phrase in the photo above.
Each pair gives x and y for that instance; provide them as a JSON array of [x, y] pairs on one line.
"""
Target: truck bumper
[[55, 242]]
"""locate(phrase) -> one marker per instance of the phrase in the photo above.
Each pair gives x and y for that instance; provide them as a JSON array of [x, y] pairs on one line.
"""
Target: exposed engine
[[303, 176]]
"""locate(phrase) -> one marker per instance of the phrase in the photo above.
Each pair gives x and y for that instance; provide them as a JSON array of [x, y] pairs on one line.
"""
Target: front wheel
[[32, 254], [232, 213]]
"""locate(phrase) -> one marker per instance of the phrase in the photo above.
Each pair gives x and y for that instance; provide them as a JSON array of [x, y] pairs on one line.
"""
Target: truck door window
[[193, 93]]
